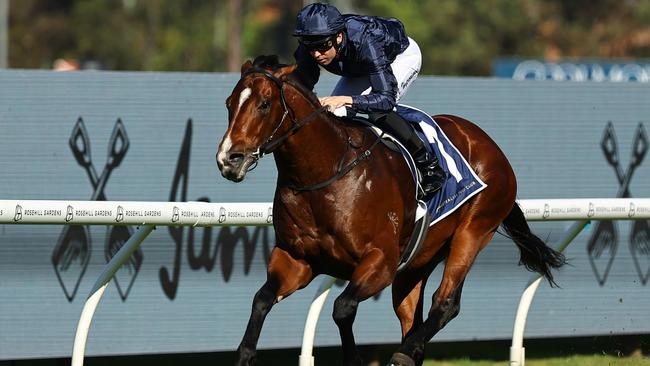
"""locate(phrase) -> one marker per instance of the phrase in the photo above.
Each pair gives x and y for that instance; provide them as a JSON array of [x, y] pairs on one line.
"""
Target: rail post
[[306, 358], [517, 350], [122, 255]]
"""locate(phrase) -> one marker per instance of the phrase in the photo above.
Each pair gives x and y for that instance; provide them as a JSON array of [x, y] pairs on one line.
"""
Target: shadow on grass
[[326, 356]]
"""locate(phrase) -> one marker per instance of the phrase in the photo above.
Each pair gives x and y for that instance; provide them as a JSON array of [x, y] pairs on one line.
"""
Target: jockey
[[377, 63]]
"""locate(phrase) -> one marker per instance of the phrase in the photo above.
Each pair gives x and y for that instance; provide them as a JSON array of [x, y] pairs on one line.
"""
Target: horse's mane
[[271, 63]]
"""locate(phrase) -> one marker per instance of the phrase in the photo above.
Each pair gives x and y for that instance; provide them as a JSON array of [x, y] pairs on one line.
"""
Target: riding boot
[[432, 175]]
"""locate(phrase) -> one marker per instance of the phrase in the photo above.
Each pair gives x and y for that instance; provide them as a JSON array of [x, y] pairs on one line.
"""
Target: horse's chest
[[325, 252], [304, 235], [312, 229], [308, 234]]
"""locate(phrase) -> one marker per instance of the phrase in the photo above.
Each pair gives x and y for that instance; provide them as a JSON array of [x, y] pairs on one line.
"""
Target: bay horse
[[345, 206]]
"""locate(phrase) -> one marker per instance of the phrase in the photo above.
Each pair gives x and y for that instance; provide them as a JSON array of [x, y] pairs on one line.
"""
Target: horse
[[343, 207]]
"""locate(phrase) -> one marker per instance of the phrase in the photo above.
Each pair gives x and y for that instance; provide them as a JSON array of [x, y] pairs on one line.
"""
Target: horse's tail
[[535, 254]]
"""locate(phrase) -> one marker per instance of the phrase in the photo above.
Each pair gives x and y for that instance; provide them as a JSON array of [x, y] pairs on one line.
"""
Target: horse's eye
[[265, 104]]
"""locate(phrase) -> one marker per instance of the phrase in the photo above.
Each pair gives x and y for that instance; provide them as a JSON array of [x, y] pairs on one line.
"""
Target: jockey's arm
[[383, 93], [382, 96]]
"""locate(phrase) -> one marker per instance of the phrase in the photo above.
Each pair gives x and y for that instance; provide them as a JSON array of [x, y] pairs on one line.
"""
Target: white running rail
[[582, 211], [134, 213], [145, 214], [150, 214]]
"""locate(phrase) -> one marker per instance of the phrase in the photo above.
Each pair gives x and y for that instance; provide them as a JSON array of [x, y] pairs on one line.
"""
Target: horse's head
[[257, 112]]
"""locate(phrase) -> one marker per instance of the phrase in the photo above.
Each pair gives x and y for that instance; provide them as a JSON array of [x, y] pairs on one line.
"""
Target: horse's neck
[[312, 154]]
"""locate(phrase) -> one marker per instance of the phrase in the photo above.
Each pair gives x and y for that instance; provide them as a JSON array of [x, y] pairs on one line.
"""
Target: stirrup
[[426, 195], [432, 181]]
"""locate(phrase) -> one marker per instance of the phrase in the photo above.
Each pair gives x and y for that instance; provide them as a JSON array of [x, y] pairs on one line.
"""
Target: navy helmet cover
[[318, 19]]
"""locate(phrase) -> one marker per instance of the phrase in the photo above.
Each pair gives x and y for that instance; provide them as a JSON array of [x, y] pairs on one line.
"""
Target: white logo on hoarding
[[547, 211], [175, 214], [69, 214], [269, 218], [120, 214], [222, 215], [19, 213]]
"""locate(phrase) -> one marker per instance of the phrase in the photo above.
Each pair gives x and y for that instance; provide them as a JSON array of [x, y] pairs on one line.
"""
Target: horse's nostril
[[235, 158]]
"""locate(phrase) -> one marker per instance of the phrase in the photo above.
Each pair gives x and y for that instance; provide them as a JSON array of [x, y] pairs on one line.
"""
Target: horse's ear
[[247, 65], [284, 72]]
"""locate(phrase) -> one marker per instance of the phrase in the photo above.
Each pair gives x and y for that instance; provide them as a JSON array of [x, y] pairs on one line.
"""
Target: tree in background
[[120, 35], [457, 37], [604, 28], [462, 37], [38, 34]]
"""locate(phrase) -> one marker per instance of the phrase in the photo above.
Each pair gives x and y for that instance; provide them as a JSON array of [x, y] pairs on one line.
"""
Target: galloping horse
[[342, 211]]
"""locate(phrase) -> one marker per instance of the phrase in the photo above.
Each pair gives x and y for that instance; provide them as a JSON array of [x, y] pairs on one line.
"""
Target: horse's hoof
[[400, 359]]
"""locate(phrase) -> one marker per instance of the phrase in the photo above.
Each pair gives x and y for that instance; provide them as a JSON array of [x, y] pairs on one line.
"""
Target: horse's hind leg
[[408, 302], [465, 245], [285, 275], [408, 297], [371, 276]]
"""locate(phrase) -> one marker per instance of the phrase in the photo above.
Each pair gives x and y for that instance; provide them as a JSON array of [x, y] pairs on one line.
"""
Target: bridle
[[271, 144]]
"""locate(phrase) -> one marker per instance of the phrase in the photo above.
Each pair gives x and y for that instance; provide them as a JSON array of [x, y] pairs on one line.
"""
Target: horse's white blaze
[[245, 94], [225, 147]]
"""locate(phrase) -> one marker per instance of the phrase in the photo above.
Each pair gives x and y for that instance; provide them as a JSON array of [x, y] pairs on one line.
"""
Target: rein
[[270, 144]]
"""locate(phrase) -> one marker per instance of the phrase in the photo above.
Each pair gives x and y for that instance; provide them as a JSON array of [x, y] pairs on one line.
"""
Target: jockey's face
[[325, 57]]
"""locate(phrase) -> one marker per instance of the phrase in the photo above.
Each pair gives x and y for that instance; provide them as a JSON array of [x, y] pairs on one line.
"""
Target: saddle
[[462, 183], [423, 218]]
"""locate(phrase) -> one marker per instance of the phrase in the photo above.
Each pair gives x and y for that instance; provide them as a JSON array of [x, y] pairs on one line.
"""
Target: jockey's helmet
[[318, 20]]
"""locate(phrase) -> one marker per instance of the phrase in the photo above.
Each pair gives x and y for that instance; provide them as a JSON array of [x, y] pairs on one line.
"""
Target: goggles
[[321, 44]]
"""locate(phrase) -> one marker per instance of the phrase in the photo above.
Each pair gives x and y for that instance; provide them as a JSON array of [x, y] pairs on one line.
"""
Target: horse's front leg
[[285, 275], [372, 275]]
